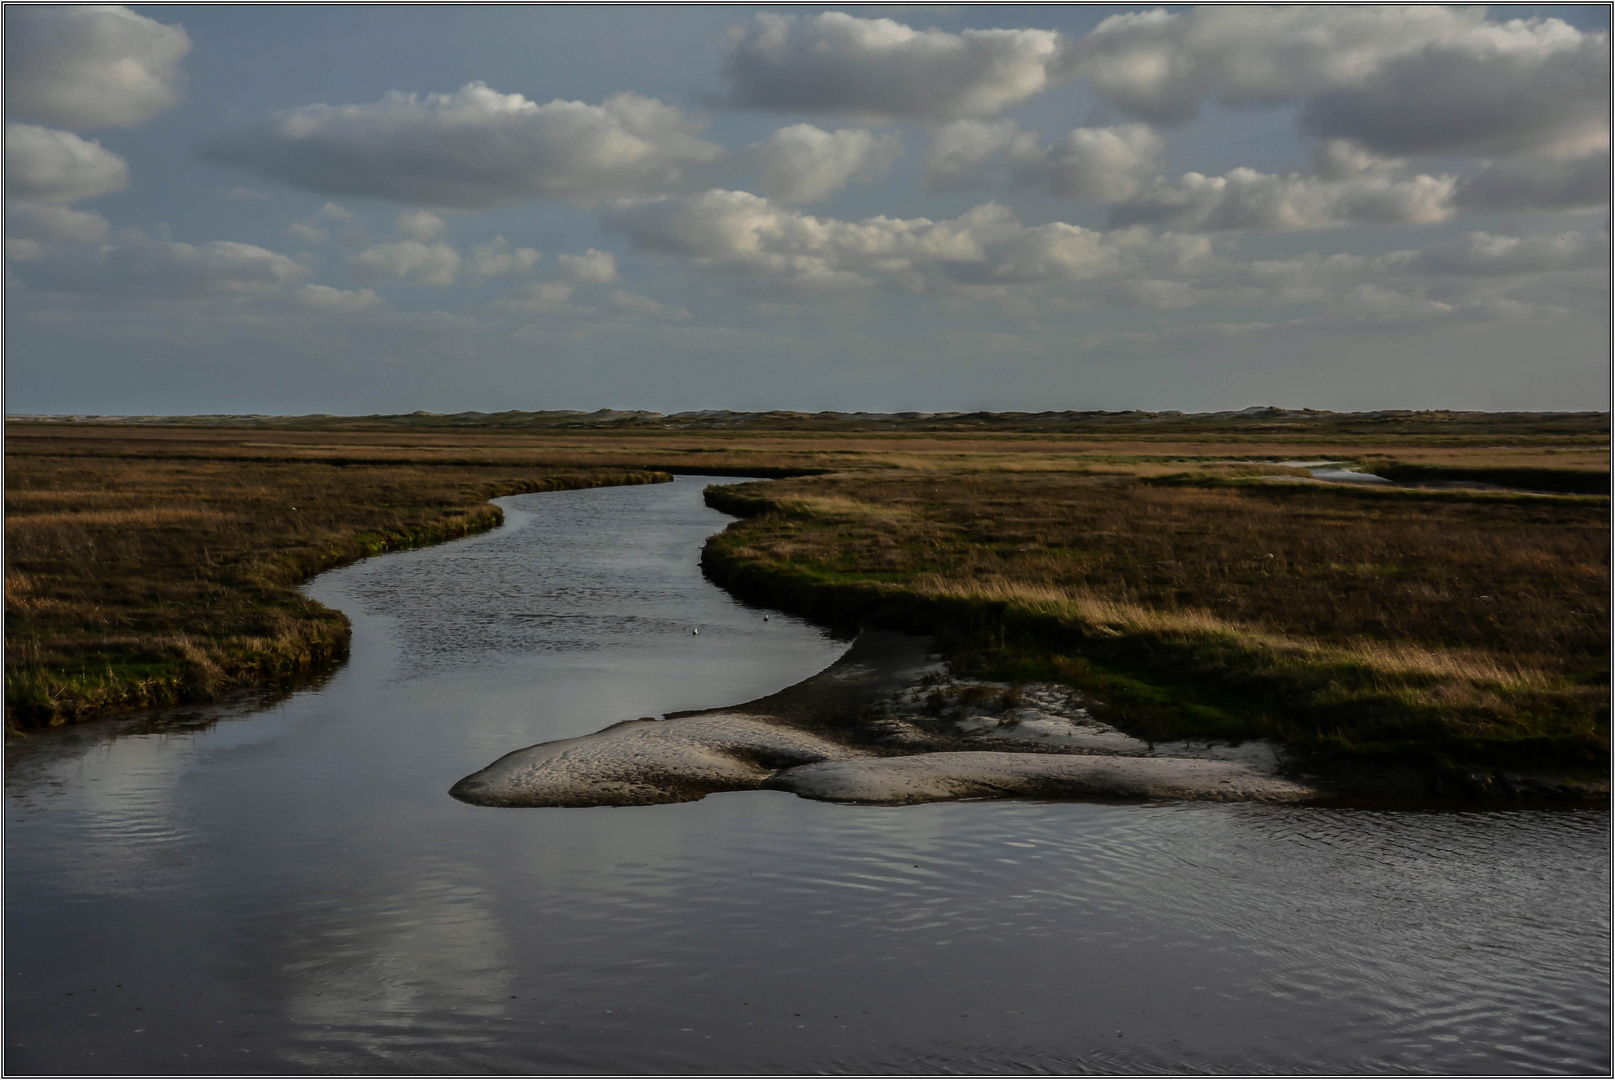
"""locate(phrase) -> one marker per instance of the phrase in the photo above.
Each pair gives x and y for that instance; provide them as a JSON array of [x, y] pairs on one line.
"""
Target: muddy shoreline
[[886, 725]]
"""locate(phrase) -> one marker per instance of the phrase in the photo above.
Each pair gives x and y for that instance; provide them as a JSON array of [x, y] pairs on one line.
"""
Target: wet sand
[[884, 724]]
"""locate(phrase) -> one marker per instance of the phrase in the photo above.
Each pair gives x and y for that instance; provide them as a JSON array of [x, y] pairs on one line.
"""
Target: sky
[[330, 209]]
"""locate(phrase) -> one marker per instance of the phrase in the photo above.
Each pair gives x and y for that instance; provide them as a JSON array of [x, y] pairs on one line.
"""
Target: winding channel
[[285, 887]]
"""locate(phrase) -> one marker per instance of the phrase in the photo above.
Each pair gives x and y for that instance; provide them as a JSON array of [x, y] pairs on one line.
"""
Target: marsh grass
[[1344, 619], [1153, 562]]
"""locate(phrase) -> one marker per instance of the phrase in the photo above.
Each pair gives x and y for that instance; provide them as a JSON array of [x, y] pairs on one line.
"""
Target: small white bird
[[765, 618], [695, 631]]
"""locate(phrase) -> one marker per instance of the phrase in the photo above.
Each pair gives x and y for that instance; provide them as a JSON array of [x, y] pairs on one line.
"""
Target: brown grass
[[1161, 569]]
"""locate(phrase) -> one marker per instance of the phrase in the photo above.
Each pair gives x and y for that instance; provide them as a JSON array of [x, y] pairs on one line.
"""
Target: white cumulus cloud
[[987, 246], [48, 166], [496, 258], [599, 267], [1108, 165], [960, 151], [881, 69], [803, 163], [475, 148], [1100, 164], [422, 225], [90, 66], [409, 261], [1244, 199], [327, 298]]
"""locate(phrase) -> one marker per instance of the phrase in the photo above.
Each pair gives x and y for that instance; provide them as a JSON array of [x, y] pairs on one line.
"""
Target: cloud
[[599, 267], [410, 261], [422, 225], [1538, 183], [986, 247], [988, 254], [1245, 199], [1538, 87], [960, 151], [90, 66], [1479, 275], [803, 163], [540, 296], [472, 149], [136, 265], [57, 167], [326, 298], [883, 70], [46, 170], [1483, 254], [310, 231], [739, 228], [634, 304], [1109, 164], [496, 258], [1396, 79], [43, 221]]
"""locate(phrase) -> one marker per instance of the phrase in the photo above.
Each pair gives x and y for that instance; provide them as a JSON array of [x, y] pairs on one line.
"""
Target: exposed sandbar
[[883, 724]]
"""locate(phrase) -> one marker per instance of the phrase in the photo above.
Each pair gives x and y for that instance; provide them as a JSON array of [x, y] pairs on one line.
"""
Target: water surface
[[290, 888]]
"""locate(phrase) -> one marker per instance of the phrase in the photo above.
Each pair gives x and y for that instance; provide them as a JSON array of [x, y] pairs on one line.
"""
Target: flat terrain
[[1170, 566]]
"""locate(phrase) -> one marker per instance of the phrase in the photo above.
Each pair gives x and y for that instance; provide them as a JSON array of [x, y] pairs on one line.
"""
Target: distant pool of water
[[289, 888]]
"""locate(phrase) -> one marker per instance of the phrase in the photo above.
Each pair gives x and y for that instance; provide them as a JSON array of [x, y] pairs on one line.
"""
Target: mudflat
[[884, 724]]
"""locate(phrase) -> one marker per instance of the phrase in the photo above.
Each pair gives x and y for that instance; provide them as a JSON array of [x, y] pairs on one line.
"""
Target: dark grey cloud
[[1539, 183], [472, 149], [90, 66], [1503, 91], [880, 69]]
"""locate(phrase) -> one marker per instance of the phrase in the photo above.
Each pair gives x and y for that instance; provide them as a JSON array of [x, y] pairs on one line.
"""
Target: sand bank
[[884, 724]]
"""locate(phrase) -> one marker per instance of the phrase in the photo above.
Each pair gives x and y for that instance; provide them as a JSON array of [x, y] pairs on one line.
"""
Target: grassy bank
[[134, 579], [1457, 629]]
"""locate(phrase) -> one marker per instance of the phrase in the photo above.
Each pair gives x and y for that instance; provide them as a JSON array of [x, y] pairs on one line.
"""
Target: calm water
[[289, 889]]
